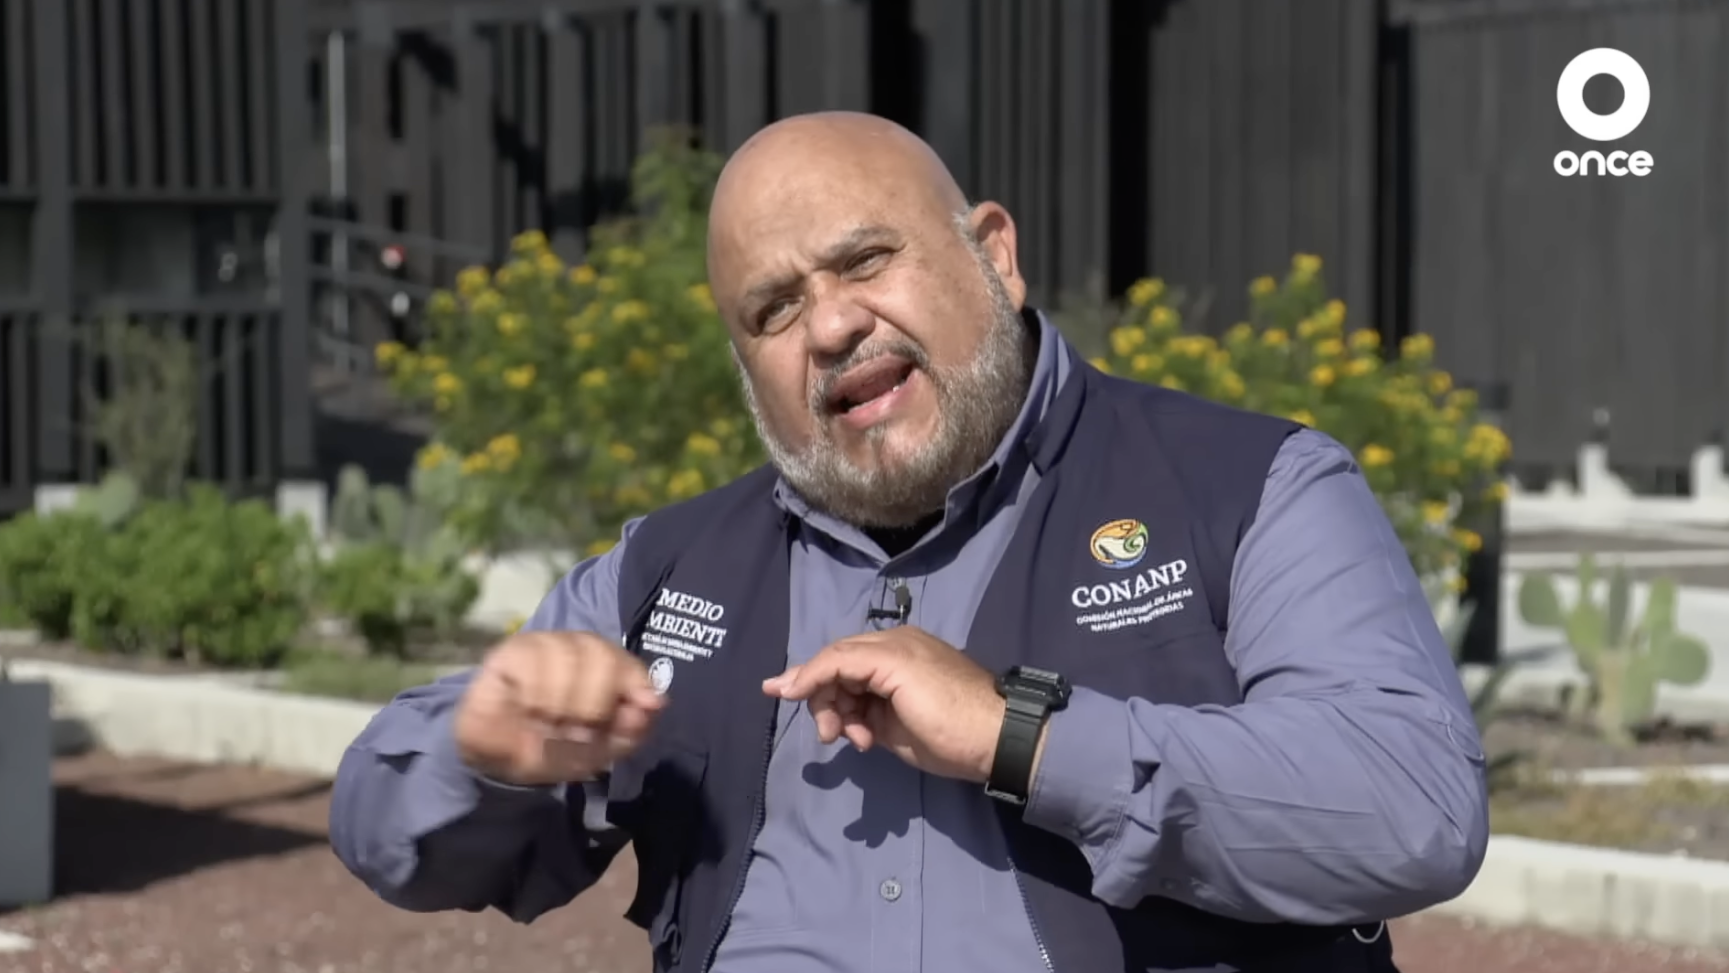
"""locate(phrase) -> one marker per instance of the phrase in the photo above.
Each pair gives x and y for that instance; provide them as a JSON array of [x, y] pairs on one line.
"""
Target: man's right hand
[[551, 707]]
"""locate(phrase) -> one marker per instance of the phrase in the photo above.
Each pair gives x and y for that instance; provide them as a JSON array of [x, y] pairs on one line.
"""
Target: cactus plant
[[1623, 660], [398, 565], [411, 520]]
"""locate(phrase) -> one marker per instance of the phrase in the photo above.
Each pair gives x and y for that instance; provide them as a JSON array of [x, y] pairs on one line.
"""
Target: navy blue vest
[[1117, 577]]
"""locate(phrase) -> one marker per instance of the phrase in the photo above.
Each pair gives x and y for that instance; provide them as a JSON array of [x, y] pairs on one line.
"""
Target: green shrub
[[213, 582], [201, 579], [579, 397], [338, 676], [42, 563], [1419, 441], [386, 595]]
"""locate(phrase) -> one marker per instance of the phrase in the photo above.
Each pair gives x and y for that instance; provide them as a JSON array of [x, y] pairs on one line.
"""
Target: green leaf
[[1538, 603], [1660, 607], [1585, 633], [1681, 659], [1620, 597]]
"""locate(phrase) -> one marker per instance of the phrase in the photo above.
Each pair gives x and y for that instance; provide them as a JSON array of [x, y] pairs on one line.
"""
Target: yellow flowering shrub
[[581, 396], [1420, 442]]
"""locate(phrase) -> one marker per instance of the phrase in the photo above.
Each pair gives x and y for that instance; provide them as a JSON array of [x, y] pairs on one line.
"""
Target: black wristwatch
[[1032, 696]]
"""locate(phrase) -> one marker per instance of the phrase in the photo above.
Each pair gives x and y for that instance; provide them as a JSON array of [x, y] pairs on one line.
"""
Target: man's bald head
[[874, 314], [811, 153]]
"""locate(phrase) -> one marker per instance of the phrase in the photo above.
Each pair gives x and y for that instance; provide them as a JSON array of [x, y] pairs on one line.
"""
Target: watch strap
[[1017, 745]]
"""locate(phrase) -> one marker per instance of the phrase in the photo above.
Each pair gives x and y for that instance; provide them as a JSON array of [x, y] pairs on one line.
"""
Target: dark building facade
[[232, 166]]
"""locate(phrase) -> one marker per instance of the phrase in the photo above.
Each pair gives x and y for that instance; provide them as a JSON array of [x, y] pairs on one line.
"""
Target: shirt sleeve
[[426, 834], [1349, 786]]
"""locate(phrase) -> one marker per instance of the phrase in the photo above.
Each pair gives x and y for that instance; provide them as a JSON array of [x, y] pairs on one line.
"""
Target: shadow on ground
[[105, 843]]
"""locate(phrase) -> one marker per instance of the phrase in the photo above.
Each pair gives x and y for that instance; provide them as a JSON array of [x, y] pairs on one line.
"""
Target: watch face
[[1039, 675], [1040, 684]]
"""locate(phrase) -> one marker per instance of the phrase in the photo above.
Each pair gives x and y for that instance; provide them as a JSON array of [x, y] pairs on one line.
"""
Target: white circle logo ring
[[660, 675], [1570, 94]]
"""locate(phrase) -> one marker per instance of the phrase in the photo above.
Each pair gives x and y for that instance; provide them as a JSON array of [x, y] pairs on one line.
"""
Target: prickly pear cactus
[[351, 517], [1623, 660], [403, 537]]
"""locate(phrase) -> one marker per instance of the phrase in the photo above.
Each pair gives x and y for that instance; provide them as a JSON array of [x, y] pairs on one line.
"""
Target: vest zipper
[[749, 853], [1032, 920]]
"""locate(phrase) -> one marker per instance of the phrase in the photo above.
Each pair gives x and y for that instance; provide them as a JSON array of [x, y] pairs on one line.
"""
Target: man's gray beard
[[976, 403]]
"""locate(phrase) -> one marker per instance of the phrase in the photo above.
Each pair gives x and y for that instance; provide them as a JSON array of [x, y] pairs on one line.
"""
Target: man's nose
[[836, 325]]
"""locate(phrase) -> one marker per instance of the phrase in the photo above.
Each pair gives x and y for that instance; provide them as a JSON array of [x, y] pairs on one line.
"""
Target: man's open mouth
[[868, 382]]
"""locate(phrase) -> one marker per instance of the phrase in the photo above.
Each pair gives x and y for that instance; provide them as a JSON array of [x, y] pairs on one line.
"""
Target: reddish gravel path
[[173, 869]]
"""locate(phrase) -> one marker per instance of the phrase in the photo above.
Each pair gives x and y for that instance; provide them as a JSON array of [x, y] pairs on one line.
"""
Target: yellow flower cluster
[[1416, 437], [593, 391]]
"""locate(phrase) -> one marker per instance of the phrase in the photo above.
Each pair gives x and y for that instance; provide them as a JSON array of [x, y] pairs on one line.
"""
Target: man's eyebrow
[[857, 237]]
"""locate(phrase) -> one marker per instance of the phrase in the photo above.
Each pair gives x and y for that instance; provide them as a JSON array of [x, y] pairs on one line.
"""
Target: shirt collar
[[998, 480]]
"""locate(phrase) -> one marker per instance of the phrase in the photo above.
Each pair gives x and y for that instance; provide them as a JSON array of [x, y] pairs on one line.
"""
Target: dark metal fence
[[1596, 304], [178, 156], [148, 156]]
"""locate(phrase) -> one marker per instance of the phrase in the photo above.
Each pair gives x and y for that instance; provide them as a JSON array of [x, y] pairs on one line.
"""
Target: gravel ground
[[1665, 816], [1559, 746], [167, 868]]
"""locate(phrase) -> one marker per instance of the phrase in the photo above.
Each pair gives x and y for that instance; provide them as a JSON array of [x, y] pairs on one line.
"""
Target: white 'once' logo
[[1635, 102]]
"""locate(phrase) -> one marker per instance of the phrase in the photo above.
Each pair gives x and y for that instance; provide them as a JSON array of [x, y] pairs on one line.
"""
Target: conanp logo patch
[[1119, 544], [1132, 598]]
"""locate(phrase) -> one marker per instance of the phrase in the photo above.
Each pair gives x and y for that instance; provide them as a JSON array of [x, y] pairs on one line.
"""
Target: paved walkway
[[169, 868]]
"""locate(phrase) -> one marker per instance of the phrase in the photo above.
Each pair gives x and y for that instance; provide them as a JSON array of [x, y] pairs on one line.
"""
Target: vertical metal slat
[[205, 81], [231, 94], [86, 96], [17, 55], [567, 118], [175, 135], [141, 87], [261, 436], [115, 120], [746, 79], [232, 330], [531, 121], [260, 65], [210, 379]]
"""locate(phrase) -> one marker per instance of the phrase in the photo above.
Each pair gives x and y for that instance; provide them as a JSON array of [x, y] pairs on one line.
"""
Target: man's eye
[[767, 316], [867, 261]]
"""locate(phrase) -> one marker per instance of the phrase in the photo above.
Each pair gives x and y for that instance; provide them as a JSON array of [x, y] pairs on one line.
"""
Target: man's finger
[[859, 724], [772, 685], [824, 706], [630, 724], [864, 666], [858, 733]]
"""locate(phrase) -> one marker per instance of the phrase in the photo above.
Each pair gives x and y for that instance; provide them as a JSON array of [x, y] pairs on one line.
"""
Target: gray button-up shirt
[[1348, 788]]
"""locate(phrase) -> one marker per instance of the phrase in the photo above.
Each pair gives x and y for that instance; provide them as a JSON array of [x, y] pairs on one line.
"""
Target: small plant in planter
[[398, 567], [1623, 660]]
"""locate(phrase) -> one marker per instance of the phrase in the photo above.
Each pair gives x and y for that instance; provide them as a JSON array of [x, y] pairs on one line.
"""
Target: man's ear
[[994, 229]]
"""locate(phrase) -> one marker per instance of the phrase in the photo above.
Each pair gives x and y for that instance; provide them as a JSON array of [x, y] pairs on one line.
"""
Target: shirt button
[[889, 889]]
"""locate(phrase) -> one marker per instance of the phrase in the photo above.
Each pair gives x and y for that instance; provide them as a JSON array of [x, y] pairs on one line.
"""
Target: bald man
[[1001, 664]]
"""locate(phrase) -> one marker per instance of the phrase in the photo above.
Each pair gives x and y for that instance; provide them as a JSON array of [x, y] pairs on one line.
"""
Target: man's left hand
[[905, 690]]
